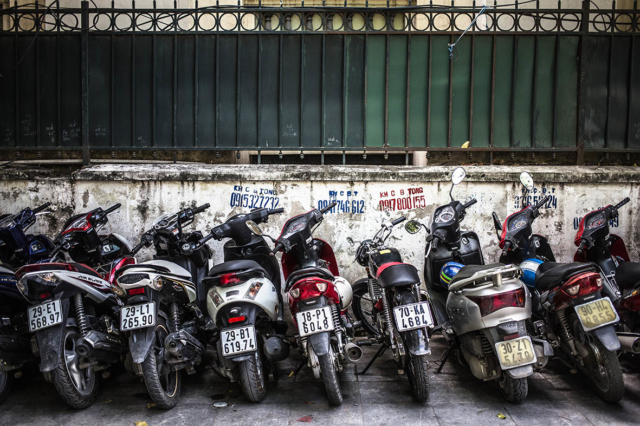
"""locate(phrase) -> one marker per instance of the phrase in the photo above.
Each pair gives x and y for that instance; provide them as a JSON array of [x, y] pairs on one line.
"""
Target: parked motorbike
[[165, 298], [245, 301], [481, 309], [569, 310], [318, 299], [74, 306], [621, 276], [16, 249], [392, 290]]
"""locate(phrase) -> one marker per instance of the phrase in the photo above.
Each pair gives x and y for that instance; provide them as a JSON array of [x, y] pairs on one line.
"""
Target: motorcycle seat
[[628, 275], [468, 271], [236, 266], [551, 274], [85, 269], [397, 275], [308, 272]]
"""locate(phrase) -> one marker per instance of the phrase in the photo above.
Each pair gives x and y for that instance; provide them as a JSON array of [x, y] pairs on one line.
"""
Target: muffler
[[101, 346], [182, 347], [276, 349], [629, 342], [353, 352]]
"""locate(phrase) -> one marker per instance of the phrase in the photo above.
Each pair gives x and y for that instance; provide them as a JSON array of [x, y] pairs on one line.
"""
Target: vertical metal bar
[[175, 90], [629, 87], [607, 126], [58, 90], [493, 96], [133, 85], [112, 83], [366, 87], [554, 139], [16, 78], [215, 142], [429, 93], [582, 87], [195, 92], [153, 92], [534, 100], [450, 97], [344, 91], [514, 85], [408, 96], [324, 88], [386, 93], [473, 61], [280, 93], [302, 68], [238, 89], [38, 132], [84, 40], [259, 110]]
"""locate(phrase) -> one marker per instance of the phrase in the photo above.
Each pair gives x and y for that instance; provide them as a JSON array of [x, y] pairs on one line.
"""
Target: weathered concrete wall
[[148, 191]]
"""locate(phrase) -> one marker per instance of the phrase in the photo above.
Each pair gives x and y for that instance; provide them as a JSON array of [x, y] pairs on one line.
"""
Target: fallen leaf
[[305, 419], [141, 423], [108, 401], [501, 416], [465, 145], [151, 404], [310, 403], [291, 374]]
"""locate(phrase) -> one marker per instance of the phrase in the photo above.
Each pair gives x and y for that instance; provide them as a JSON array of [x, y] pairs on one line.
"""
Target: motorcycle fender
[[520, 372], [417, 342], [140, 342], [241, 358], [608, 337], [50, 341], [320, 342]]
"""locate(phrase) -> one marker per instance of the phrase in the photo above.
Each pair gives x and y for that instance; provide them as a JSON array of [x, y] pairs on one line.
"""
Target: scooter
[[569, 310], [245, 302], [16, 249], [165, 299], [318, 299], [621, 276], [481, 309], [392, 290], [74, 307]]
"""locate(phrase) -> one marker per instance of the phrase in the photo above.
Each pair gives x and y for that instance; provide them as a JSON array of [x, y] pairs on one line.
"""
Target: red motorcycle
[[318, 298], [622, 277]]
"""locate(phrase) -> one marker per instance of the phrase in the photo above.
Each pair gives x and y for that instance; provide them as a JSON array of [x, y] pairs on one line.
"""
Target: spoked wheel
[[6, 378], [74, 379], [601, 365], [363, 307], [162, 384], [252, 377], [329, 374], [513, 390], [418, 374]]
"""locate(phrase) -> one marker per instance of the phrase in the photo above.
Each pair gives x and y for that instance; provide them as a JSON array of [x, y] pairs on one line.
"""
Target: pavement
[[381, 397]]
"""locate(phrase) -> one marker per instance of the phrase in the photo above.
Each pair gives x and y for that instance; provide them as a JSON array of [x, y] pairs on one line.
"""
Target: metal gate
[[322, 78]]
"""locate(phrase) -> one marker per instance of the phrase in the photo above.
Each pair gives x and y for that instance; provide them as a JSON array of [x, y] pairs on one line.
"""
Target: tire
[[604, 371], [162, 384], [77, 387], [363, 308], [6, 379], [252, 378], [513, 390], [418, 374], [330, 378]]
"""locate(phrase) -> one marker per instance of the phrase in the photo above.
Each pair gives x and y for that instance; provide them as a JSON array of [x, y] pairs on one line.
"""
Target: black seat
[[551, 274], [468, 271], [236, 266], [85, 269], [308, 272], [628, 275], [398, 275]]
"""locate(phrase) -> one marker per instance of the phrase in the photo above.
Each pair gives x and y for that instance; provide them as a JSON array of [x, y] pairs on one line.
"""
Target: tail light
[[80, 224], [234, 278], [511, 299], [237, 319], [134, 291], [632, 301], [311, 287], [45, 295], [229, 279], [582, 285]]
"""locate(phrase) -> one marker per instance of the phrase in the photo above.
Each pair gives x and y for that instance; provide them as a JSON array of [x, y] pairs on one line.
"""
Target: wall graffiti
[[254, 197]]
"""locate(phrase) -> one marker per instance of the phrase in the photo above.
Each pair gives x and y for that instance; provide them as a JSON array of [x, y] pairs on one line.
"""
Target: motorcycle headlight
[[253, 290]]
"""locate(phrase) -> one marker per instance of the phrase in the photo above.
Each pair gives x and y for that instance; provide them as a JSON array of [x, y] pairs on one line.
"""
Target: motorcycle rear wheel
[[330, 378], [78, 387], [6, 379], [252, 378], [417, 367], [162, 384], [513, 390]]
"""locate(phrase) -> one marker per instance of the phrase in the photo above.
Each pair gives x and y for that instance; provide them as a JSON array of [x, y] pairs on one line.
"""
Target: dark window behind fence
[[328, 78]]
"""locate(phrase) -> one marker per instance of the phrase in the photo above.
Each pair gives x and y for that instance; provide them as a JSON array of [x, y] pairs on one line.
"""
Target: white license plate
[[314, 321], [597, 314], [138, 316], [45, 315], [238, 340], [415, 315], [516, 352]]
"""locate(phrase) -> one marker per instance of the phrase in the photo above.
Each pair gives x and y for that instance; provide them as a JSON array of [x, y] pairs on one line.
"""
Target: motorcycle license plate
[[138, 316], [415, 315], [597, 314], [45, 315], [238, 340], [516, 352], [314, 321]]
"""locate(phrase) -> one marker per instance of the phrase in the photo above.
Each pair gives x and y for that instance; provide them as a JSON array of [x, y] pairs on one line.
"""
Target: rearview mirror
[[526, 180], [412, 227], [458, 175], [254, 227], [350, 241]]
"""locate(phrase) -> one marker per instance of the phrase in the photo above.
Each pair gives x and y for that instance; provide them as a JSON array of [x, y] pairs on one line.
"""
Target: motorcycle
[[392, 290], [318, 299], [16, 249], [481, 309], [569, 310], [74, 306], [621, 276], [244, 299], [165, 298]]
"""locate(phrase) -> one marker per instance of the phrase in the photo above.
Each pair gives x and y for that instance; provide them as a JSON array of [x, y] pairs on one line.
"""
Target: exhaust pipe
[[629, 342], [353, 352]]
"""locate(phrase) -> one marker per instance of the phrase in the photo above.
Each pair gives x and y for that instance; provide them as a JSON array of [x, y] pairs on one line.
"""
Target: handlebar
[[582, 245], [434, 242], [399, 220], [275, 211], [205, 239], [621, 203], [137, 248], [277, 248], [505, 250], [112, 208], [45, 205], [542, 202], [470, 203], [201, 208], [329, 207]]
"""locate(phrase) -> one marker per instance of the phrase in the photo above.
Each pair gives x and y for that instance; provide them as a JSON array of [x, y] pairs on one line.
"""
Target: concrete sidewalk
[[381, 397]]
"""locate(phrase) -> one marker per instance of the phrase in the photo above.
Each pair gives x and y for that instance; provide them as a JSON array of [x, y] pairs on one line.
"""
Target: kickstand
[[381, 351], [300, 367], [444, 358]]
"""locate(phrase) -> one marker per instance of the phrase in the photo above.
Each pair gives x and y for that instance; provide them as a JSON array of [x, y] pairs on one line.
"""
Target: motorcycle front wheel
[[330, 378], [76, 385], [417, 367], [162, 384], [252, 377]]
